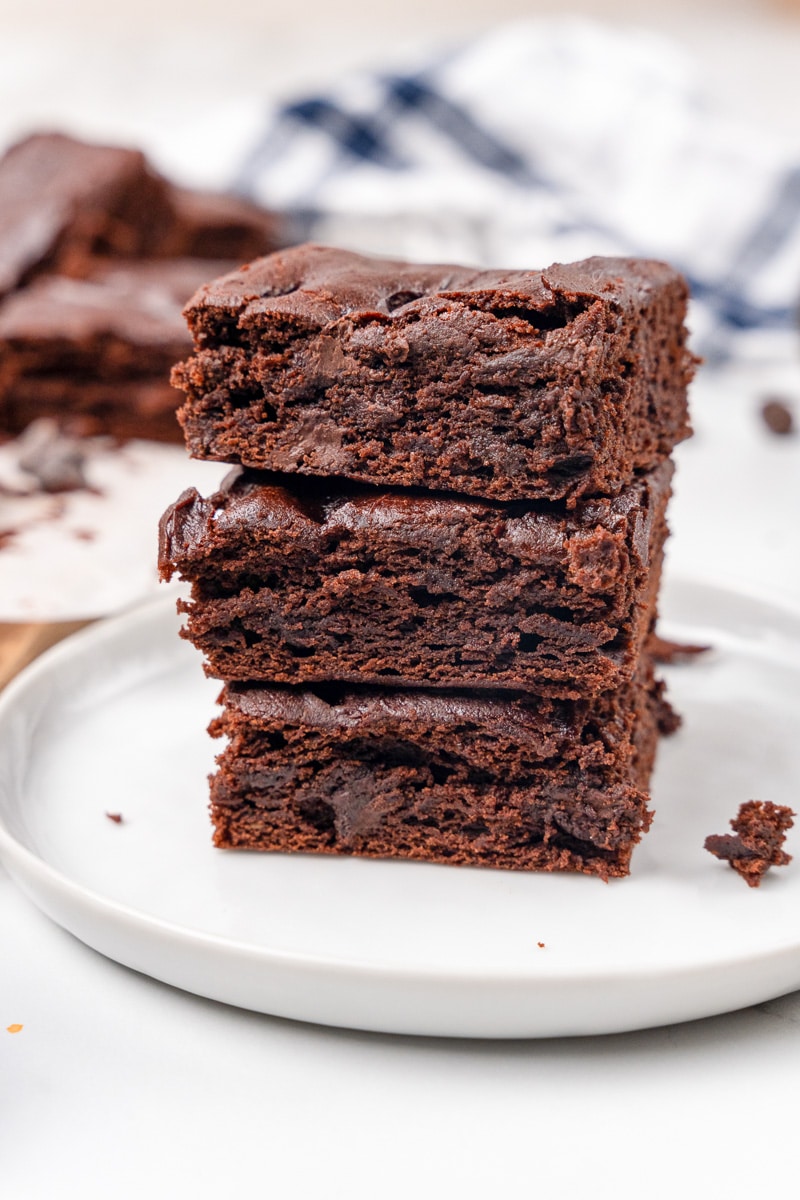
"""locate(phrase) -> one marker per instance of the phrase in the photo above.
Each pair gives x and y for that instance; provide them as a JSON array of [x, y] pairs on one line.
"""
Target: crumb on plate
[[777, 415], [757, 843]]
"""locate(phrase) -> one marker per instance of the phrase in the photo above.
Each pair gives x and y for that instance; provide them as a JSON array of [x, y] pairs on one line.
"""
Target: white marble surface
[[119, 1086]]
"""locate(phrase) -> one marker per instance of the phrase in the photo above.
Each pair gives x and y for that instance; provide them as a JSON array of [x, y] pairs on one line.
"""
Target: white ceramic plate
[[114, 721]]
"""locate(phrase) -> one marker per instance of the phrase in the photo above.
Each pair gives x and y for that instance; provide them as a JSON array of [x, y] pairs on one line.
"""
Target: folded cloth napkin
[[550, 140]]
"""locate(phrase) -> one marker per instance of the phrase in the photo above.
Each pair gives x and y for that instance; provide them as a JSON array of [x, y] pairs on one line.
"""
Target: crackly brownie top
[[313, 286]]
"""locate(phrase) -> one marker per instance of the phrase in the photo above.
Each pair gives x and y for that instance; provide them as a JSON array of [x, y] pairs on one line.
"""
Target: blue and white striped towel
[[548, 141]]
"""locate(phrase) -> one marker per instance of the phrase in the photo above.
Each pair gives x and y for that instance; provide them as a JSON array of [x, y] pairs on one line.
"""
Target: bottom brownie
[[521, 782]]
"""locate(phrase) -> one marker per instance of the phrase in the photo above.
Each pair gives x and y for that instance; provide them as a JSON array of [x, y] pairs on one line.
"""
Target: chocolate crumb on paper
[[777, 415], [115, 817], [760, 831], [540, 945]]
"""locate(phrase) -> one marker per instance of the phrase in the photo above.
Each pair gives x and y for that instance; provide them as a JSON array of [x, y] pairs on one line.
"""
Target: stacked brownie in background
[[98, 255], [430, 582]]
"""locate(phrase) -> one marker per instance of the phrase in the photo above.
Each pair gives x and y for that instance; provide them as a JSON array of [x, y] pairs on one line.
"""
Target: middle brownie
[[300, 581]]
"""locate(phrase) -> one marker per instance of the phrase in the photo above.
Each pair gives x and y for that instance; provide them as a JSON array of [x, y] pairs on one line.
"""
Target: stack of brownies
[[430, 583]]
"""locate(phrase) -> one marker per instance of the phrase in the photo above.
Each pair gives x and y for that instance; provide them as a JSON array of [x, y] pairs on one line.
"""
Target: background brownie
[[63, 201], [98, 349], [98, 255], [511, 385], [218, 225], [297, 580], [498, 781]]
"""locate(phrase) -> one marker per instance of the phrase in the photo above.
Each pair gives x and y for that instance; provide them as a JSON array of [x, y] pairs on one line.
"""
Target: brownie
[[452, 777], [511, 385], [298, 580], [218, 225], [759, 833], [98, 349], [63, 201]]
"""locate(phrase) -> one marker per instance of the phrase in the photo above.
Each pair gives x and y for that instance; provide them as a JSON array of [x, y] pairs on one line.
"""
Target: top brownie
[[546, 384]]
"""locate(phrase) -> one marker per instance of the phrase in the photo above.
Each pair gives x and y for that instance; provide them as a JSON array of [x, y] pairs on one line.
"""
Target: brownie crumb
[[760, 831], [53, 458], [667, 652], [667, 719], [777, 416], [540, 945], [115, 817]]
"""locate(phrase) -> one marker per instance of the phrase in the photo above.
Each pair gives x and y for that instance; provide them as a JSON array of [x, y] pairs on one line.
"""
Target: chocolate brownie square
[[99, 349], [300, 581], [511, 385], [452, 777], [63, 201]]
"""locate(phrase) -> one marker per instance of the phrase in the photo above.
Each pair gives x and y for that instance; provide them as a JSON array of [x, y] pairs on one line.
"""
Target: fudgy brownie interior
[[499, 780], [298, 580]]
